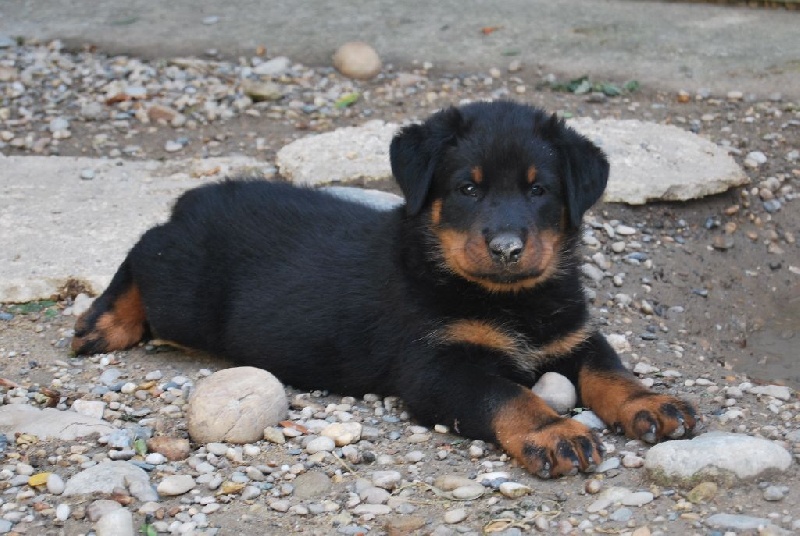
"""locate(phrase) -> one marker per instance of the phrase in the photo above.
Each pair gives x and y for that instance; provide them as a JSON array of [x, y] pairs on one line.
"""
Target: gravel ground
[[702, 299]]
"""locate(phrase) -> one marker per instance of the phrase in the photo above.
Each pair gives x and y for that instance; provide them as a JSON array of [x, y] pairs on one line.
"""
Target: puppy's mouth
[[507, 274]]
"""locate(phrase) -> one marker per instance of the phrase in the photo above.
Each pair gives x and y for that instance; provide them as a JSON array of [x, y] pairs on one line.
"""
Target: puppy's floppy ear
[[416, 150], [585, 168]]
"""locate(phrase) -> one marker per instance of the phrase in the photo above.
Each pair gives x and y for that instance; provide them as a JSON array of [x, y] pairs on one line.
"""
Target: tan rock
[[403, 525], [235, 405], [157, 112], [357, 59], [173, 448]]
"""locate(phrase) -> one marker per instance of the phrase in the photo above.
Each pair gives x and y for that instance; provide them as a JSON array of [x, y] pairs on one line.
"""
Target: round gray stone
[[716, 456], [311, 484]]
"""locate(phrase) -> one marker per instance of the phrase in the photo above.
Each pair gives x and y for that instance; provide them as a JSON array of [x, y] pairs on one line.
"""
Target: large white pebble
[[469, 492], [320, 444], [175, 485], [55, 484], [357, 59], [557, 391], [343, 433], [62, 512], [457, 515], [117, 522], [235, 405], [386, 479], [514, 490]]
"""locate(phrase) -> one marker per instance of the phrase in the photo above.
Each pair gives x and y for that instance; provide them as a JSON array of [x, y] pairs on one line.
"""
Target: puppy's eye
[[469, 189], [537, 190]]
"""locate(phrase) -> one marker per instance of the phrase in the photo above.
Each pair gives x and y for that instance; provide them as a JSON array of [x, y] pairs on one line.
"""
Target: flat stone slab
[[50, 423], [344, 155], [716, 456], [106, 476], [649, 161], [54, 225], [654, 162]]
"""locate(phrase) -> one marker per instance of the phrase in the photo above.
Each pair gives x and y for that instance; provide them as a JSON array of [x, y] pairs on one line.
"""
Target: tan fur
[[518, 349]]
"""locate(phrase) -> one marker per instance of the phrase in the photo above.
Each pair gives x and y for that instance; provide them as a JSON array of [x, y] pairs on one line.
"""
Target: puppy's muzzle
[[506, 248]]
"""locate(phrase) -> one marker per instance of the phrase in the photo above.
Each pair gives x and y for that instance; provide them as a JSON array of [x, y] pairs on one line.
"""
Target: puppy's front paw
[[653, 417], [545, 443], [563, 447]]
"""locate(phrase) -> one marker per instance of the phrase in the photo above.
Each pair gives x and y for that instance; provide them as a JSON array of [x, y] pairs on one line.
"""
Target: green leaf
[[140, 446], [347, 100], [583, 87], [609, 90], [148, 530], [631, 86], [30, 307], [574, 84]]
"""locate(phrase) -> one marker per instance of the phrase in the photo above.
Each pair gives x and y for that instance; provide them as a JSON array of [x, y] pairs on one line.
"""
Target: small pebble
[[175, 485], [775, 493], [608, 464], [457, 515], [638, 498], [55, 484], [593, 486], [172, 146], [469, 492], [632, 461], [62, 512], [320, 444]]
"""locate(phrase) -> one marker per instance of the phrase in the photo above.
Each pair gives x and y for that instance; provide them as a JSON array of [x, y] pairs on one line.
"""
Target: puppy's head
[[501, 187]]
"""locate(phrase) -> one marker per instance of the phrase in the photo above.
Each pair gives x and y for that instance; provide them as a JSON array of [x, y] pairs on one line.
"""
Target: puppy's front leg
[[622, 402], [479, 405]]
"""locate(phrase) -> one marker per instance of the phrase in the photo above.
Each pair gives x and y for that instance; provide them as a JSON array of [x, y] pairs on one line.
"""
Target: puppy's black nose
[[506, 247]]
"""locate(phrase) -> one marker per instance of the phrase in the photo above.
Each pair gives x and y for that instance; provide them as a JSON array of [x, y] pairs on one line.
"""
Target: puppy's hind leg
[[116, 320]]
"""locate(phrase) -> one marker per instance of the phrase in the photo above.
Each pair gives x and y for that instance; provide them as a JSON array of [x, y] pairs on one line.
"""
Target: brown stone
[[403, 525], [174, 448], [157, 112]]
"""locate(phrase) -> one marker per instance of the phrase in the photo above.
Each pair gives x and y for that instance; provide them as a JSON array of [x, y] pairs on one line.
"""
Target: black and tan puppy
[[456, 302]]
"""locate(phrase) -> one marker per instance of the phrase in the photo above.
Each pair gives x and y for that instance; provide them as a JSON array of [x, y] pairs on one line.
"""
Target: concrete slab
[[344, 154], [56, 226], [649, 161]]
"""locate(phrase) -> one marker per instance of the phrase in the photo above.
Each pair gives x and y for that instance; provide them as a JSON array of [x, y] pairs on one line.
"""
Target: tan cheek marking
[[123, 326], [436, 212], [531, 174], [477, 174]]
